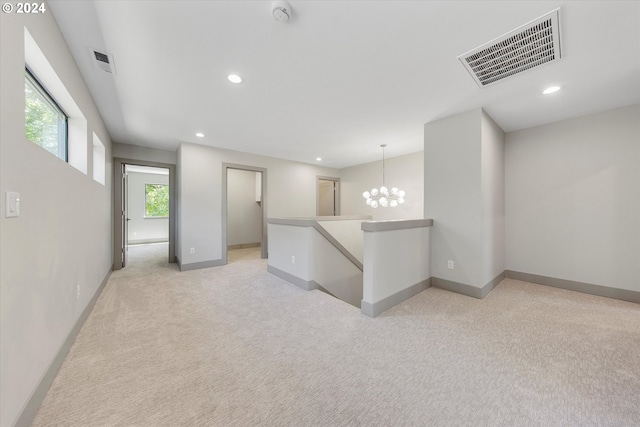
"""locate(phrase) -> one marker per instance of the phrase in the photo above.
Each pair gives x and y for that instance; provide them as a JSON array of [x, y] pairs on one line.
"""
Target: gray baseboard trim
[[468, 290], [202, 264], [244, 246], [33, 404], [570, 285], [492, 284], [372, 310], [294, 280]]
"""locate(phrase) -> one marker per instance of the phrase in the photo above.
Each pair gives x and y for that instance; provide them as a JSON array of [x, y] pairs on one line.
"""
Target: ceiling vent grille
[[524, 48]]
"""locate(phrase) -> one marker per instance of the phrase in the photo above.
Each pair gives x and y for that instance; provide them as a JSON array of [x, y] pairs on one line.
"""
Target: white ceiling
[[342, 77]]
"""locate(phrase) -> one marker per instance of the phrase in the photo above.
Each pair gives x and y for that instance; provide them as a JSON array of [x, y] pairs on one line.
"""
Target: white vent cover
[[102, 61], [526, 47]]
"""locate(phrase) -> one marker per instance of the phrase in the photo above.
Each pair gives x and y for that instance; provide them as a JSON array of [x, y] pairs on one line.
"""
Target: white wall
[[244, 220], [404, 172], [573, 199], [452, 198], [464, 195], [291, 192], [141, 229], [493, 199], [348, 233], [55, 255], [395, 260]]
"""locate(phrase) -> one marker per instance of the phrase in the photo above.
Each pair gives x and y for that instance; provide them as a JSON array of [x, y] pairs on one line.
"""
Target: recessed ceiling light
[[234, 78], [200, 135], [318, 159], [550, 90]]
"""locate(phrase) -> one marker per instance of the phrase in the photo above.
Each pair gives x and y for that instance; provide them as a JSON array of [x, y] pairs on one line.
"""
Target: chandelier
[[383, 196]]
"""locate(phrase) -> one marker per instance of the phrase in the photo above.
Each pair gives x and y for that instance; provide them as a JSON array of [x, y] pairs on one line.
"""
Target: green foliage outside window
[[156, 200], [45, 123]]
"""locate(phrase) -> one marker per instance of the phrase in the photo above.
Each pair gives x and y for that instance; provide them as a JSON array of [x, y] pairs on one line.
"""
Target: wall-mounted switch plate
[[450, 264], [293, 259], [12, 204], [192, 251]]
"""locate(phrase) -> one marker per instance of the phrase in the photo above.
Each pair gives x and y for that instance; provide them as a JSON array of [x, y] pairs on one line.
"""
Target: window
[[45, 122], [156, 201]]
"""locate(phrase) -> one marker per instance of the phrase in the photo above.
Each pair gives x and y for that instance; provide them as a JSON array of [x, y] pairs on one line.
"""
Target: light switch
[[12, 203]]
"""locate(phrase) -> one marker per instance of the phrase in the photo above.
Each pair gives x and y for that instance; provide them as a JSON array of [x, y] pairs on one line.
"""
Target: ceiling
[[341, 77]]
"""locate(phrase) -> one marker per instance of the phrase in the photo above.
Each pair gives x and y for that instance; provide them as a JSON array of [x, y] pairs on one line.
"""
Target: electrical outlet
[[293, 259], [135, 233], [78, 292], [192, 251], [450, 264]]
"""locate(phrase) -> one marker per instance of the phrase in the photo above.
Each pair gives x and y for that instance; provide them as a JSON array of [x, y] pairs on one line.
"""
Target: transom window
[[45, 122]]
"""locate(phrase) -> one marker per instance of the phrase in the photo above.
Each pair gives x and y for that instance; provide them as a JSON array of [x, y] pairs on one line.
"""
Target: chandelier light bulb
[[383, 197]]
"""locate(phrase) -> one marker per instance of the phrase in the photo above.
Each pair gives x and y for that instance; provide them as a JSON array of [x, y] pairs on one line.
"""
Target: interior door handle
[[128, 219]]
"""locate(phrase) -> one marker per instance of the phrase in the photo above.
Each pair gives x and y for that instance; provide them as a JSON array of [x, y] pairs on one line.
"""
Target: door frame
[[264, 253], [118, 243], [336, 183]]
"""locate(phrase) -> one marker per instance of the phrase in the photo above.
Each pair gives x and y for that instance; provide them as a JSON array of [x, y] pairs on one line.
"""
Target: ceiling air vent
[[526, 47], [102, 61]]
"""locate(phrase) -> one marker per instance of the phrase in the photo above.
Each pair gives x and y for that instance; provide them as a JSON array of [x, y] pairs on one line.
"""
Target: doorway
[[244, 211], [151, 182], [328, 196]]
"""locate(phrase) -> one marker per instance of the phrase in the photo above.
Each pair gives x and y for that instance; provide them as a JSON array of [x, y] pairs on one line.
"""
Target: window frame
[[145, 216], [42, 90]]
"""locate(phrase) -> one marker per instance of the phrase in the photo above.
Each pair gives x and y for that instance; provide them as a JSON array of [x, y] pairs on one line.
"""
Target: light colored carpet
[[236, 346]]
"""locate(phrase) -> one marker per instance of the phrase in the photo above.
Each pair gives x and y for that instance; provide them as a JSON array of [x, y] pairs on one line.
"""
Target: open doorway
[[328, 196], [244, 218], [144, 211], [147, 208]]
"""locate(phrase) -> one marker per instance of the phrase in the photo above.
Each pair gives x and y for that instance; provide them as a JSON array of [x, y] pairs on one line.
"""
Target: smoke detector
[[281, 10], [524, 48]]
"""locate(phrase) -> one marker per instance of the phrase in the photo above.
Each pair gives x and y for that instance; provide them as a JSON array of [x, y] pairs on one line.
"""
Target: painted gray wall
[[244, 220], [126, 151], [141, 229], [463, 194], [55, 255], [404, 172], [291, 193], [573, 199]]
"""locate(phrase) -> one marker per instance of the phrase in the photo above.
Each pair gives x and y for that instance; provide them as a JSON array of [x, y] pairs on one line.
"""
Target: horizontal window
[[45, 122]]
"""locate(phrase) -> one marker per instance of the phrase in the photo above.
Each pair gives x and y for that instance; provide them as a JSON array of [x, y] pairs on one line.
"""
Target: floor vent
[[102, 61], [526, 47]]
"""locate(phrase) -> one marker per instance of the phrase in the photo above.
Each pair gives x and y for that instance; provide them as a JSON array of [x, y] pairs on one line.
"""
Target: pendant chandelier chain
[[383, 145]]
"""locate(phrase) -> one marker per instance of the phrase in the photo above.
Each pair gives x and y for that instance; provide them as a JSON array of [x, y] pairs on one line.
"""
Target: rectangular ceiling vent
[[102, 61], [524, 48]]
